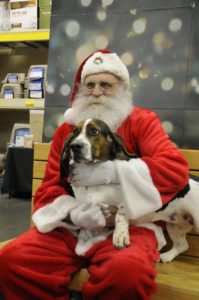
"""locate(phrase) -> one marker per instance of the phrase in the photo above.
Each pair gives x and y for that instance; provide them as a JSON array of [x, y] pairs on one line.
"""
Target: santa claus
[[39, 264]]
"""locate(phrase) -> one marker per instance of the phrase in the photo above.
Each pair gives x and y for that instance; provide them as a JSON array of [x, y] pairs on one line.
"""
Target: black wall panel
[[157, 39]]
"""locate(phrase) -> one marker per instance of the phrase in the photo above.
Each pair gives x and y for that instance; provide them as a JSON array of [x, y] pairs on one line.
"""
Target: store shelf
[[25, 104], [11, 36]]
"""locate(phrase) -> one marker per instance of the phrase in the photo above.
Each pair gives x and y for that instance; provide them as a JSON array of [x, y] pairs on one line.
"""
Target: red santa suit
[[39, 264]]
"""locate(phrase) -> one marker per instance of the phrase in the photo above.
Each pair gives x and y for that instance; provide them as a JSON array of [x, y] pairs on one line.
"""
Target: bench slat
[[41, 151], [178, 280], [192, 156], [2, 244], [39, 168], [193, 241], [196, 173], [78, 280], [35, 184]]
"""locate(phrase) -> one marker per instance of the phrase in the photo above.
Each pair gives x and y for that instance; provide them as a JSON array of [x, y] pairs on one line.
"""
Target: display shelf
[[12, 36], [22, 103]]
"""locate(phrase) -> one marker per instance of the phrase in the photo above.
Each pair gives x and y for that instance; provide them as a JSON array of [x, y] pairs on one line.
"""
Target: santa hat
[[100, 61]]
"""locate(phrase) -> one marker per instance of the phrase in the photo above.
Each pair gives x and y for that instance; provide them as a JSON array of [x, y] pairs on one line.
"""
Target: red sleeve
[[51, 186], [168, 168]]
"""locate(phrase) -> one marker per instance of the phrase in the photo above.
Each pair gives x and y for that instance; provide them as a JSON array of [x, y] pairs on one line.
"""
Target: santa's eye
[[90, 85], [105, 85]]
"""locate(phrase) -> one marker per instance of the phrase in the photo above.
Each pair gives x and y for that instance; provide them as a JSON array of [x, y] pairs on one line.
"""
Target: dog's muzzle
[[77, 147], [79, 151]]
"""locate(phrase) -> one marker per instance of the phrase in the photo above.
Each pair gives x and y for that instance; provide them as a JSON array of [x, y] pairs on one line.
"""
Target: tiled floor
[[14, 216]]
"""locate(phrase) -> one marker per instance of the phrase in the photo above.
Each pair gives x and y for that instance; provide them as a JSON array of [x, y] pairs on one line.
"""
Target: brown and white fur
[[92, 141], [181, 216]]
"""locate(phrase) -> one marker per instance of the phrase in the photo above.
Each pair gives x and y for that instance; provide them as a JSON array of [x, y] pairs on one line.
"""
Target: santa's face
[[101, 84], [102, 96]]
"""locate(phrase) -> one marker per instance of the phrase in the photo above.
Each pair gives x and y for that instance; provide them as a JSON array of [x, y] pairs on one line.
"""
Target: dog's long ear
[[119, 150], [65, 156]]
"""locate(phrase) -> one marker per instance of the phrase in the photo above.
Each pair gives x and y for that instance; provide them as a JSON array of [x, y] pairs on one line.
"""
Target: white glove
[[88, 215], [94, 174]]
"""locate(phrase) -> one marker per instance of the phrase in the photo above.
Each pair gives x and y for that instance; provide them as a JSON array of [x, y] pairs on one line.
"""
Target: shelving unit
[[24, 36], [18, 50], [22, 104]]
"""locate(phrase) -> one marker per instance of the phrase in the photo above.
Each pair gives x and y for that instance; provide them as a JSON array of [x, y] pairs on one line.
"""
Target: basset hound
[[92, 141], [181, 215]]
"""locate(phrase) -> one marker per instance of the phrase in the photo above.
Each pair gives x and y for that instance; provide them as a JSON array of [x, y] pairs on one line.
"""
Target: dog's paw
[[166, 257], [121, 239]]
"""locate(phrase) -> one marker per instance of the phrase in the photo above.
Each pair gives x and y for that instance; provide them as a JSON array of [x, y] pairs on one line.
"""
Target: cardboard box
[[36, 124], [4, 15], [44, 17], [23, 15], [43, 3]]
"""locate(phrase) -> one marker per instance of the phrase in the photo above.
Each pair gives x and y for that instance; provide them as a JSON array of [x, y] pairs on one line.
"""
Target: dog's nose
[[76, 147]]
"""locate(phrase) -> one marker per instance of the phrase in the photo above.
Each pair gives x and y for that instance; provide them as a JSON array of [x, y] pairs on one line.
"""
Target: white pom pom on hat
[[68, 116], [105, 62]]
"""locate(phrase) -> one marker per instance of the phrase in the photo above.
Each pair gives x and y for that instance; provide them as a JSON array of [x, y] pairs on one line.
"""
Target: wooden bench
[[176, 280]]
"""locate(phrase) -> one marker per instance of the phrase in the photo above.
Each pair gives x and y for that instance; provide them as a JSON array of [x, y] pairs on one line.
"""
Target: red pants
[[39, 266]]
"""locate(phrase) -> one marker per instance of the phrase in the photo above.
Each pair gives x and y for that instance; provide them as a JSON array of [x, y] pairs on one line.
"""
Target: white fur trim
[[68, 116], [105, 62], [51, 215], [140, 196]]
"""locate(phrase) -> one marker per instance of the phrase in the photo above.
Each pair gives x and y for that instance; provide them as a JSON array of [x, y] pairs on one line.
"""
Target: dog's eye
[[93, 131]]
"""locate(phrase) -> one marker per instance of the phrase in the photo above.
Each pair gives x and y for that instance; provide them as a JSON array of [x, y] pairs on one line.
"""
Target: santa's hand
[[88, 215], [109, 212], [94, 174]]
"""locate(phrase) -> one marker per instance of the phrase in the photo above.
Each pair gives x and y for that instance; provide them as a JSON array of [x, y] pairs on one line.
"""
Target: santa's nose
[[97, 91]]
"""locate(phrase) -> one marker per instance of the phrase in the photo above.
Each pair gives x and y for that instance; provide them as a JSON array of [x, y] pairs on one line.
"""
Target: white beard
[[112, 110]]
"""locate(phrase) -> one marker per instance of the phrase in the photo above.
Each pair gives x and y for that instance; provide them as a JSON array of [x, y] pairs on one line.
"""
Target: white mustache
[[90, 100], [111, 109]]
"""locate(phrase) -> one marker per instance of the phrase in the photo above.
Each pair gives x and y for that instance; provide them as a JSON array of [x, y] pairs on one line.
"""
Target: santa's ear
[[66, 156], [118, 148]]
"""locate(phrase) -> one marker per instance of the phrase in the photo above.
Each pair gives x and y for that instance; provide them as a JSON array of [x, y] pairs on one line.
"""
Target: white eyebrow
[[83, 131], [85, 140]]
